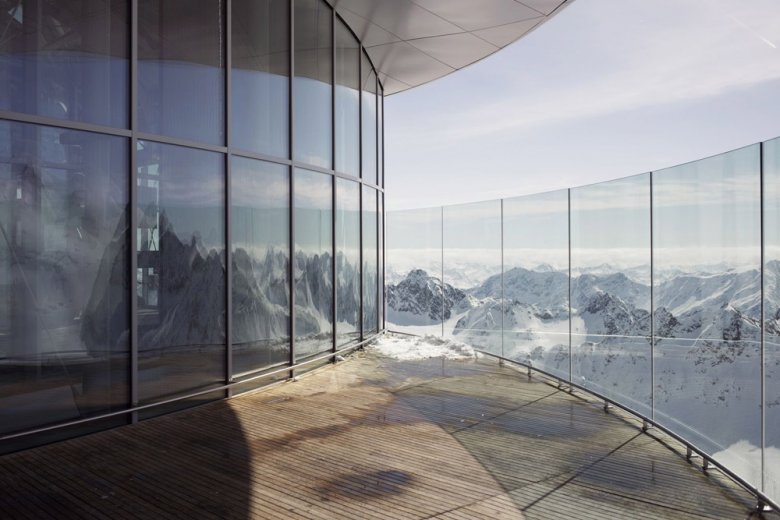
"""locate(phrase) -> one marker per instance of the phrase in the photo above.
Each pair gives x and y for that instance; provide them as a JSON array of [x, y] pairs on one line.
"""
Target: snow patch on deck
[[409, 348]]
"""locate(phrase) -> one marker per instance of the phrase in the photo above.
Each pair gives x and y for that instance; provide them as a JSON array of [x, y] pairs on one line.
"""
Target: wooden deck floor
[[373, 438]]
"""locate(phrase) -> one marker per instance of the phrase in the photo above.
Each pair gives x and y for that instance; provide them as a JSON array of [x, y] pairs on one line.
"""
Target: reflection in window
[[536, 281], [347, 101], [707, 303], [180, 283], [181, 70], [261, 257], [313, 256], [63, 275], [347, 261], [260, 76], [313, 82], [369, 122], [772, 314], [610, 263], [65, 59], [370, 262]]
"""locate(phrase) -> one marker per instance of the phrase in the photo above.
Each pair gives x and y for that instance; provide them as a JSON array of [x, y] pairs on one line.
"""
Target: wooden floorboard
[[373, 438]]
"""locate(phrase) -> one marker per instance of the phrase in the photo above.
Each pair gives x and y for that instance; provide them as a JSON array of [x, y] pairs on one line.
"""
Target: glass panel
[[347, 101], [347, 261], [181, 69], [610, 290], [381, 140], [413, 287], [313, 256], [313, 83], [261, 264], [66, 60], [370, 262], [180, 283], [382, 301], [369, 122], [260, 76], [472, 274], [64, 284], [707, 305], [536, 281], [772, 317]]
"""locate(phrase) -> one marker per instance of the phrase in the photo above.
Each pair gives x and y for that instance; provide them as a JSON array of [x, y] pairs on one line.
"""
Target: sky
[[603, 90]]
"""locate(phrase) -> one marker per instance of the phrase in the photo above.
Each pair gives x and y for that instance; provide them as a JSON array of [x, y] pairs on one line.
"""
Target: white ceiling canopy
[[412, 42]]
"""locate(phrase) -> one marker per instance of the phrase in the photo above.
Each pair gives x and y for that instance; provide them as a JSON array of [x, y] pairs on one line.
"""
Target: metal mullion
[[652, 306], [568, 213], [62, 123], [228, 198], [762, 356], [502, 277], [259, 156], [312, 167], [442, 270], [334, 293], [291, 173], [376, 237], [360, 172], [362, 267], [133, 204], [164, 139]]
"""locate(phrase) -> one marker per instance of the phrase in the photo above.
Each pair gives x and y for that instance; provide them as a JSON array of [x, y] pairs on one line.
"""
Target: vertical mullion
[[442, 271], [568, 212], [334, 294], [652, 306], [132, 205], [362, 179], [762, 356], [228, 199], [502, 278], [291, 171], [376, 193]]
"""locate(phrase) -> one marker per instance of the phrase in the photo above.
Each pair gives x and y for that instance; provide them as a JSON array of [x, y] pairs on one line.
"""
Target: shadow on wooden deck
[[374, 438]]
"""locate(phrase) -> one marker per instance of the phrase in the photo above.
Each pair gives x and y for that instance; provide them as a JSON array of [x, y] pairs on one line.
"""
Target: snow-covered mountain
[[421, 299]]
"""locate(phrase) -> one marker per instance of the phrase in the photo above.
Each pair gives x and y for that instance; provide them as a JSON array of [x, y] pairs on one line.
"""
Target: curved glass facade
[[184, 204], [658, 292]]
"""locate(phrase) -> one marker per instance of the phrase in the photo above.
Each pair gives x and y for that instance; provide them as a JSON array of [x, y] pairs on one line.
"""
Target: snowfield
[[410, 348]]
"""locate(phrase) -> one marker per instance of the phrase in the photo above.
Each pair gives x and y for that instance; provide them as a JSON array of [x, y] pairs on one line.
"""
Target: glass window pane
[[66, 60], [381, 140], [472, 267], [181, 69], [413, 287], [64, 284], [706, 233], [536, 281], [772, 316], [382, 301], [610, 287], [260, 76], [313, 83], [180, 283], [313, 256], [347, 261], [369, 122], [347, 101], [370, 262], [261, 260]]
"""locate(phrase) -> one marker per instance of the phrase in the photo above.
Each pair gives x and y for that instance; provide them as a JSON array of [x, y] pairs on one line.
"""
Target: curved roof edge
[[413, 42]]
